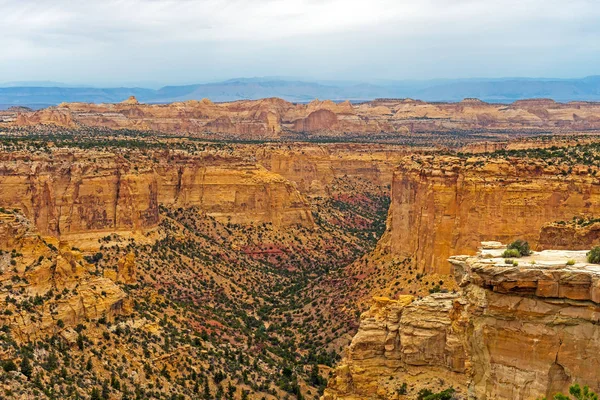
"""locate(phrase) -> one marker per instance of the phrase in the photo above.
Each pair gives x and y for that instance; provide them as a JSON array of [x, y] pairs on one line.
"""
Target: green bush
[[578, 393], [594, 255], [9, 365], [521, 246], [571, 262], [426, 394], [511, 253], [402, 389]]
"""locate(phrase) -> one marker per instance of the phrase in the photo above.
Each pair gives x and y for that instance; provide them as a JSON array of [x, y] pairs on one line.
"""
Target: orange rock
[[446, 205], [510, 333]]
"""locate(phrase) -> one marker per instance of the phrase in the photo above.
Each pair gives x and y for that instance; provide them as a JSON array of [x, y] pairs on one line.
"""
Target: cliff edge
[[512, 331]]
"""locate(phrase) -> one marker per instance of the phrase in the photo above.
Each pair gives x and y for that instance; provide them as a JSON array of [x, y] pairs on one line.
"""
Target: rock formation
[[275, 118], [74, 193], [447, 205], [512, 332], [50, 116], [43, 284], [570, 235], [313, 167]]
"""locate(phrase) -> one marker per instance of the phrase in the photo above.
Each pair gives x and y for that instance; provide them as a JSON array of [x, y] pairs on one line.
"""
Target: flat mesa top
[[550, 259]]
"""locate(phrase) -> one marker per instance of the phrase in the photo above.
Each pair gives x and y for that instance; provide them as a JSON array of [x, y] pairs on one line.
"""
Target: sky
[[156, 42]]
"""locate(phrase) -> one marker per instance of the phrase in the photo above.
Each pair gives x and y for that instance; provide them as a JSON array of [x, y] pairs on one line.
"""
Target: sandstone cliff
[[574, 234], [313, 167], [50, 116], [447, 205], [71, 193], [511, 332]]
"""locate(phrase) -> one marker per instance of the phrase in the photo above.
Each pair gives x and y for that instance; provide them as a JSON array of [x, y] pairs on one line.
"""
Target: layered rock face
[[313, 167], [422, 338], [446, 205], [42, 284], [70, 193], [569, 236], [511, 332], [275, 118]]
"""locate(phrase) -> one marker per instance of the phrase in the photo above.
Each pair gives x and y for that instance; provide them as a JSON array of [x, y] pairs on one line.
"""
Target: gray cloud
[[117, 41]]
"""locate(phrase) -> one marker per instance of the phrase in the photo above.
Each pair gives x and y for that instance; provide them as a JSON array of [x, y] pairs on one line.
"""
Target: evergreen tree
[[26, 368], [105, 390], [95, 394]]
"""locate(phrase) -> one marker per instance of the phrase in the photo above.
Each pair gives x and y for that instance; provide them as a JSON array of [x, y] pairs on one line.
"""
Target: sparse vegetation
[[426, 394], [577, 393], [511, 253], [521, 246], [593, 255]]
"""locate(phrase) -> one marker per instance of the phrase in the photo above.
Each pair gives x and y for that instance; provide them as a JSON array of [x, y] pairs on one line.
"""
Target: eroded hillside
[[511, 332], [146, 269]]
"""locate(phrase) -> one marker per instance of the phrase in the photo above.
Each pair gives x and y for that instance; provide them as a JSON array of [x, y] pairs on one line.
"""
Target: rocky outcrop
[[72, 193], [125, 272], [569, 235], [320, 120], [48, 289], [512, 332], [421, 337], [131, 101], [50, 116], [447, 205]]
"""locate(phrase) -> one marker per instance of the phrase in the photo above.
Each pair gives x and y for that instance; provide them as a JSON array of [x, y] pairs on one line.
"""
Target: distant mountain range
[[43, 94]]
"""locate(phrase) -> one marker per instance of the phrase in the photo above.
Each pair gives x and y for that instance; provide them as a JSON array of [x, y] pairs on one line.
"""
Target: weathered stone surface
[[71, 193], [569, 236], [56, 283], [445, 205], [126, 269], [512, 332], [396, 335]]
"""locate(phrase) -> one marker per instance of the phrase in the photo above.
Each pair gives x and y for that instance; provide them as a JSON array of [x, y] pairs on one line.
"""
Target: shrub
[[9, 365], [571, 262], [521, 246], [426, 394], [435, 289], [578, 393], [26, 368], [511, 253], [594, 255], [402, 389]]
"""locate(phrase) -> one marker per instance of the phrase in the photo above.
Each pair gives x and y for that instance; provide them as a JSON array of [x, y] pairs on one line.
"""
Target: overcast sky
[[187, 41]]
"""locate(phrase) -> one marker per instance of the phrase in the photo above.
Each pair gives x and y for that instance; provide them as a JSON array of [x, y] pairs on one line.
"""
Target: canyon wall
[[69, 192], [313, 167], [448, 205], [511, 332], [569, 235]]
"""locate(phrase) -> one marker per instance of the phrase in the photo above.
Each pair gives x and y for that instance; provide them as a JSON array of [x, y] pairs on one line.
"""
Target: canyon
[[213, 247]]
